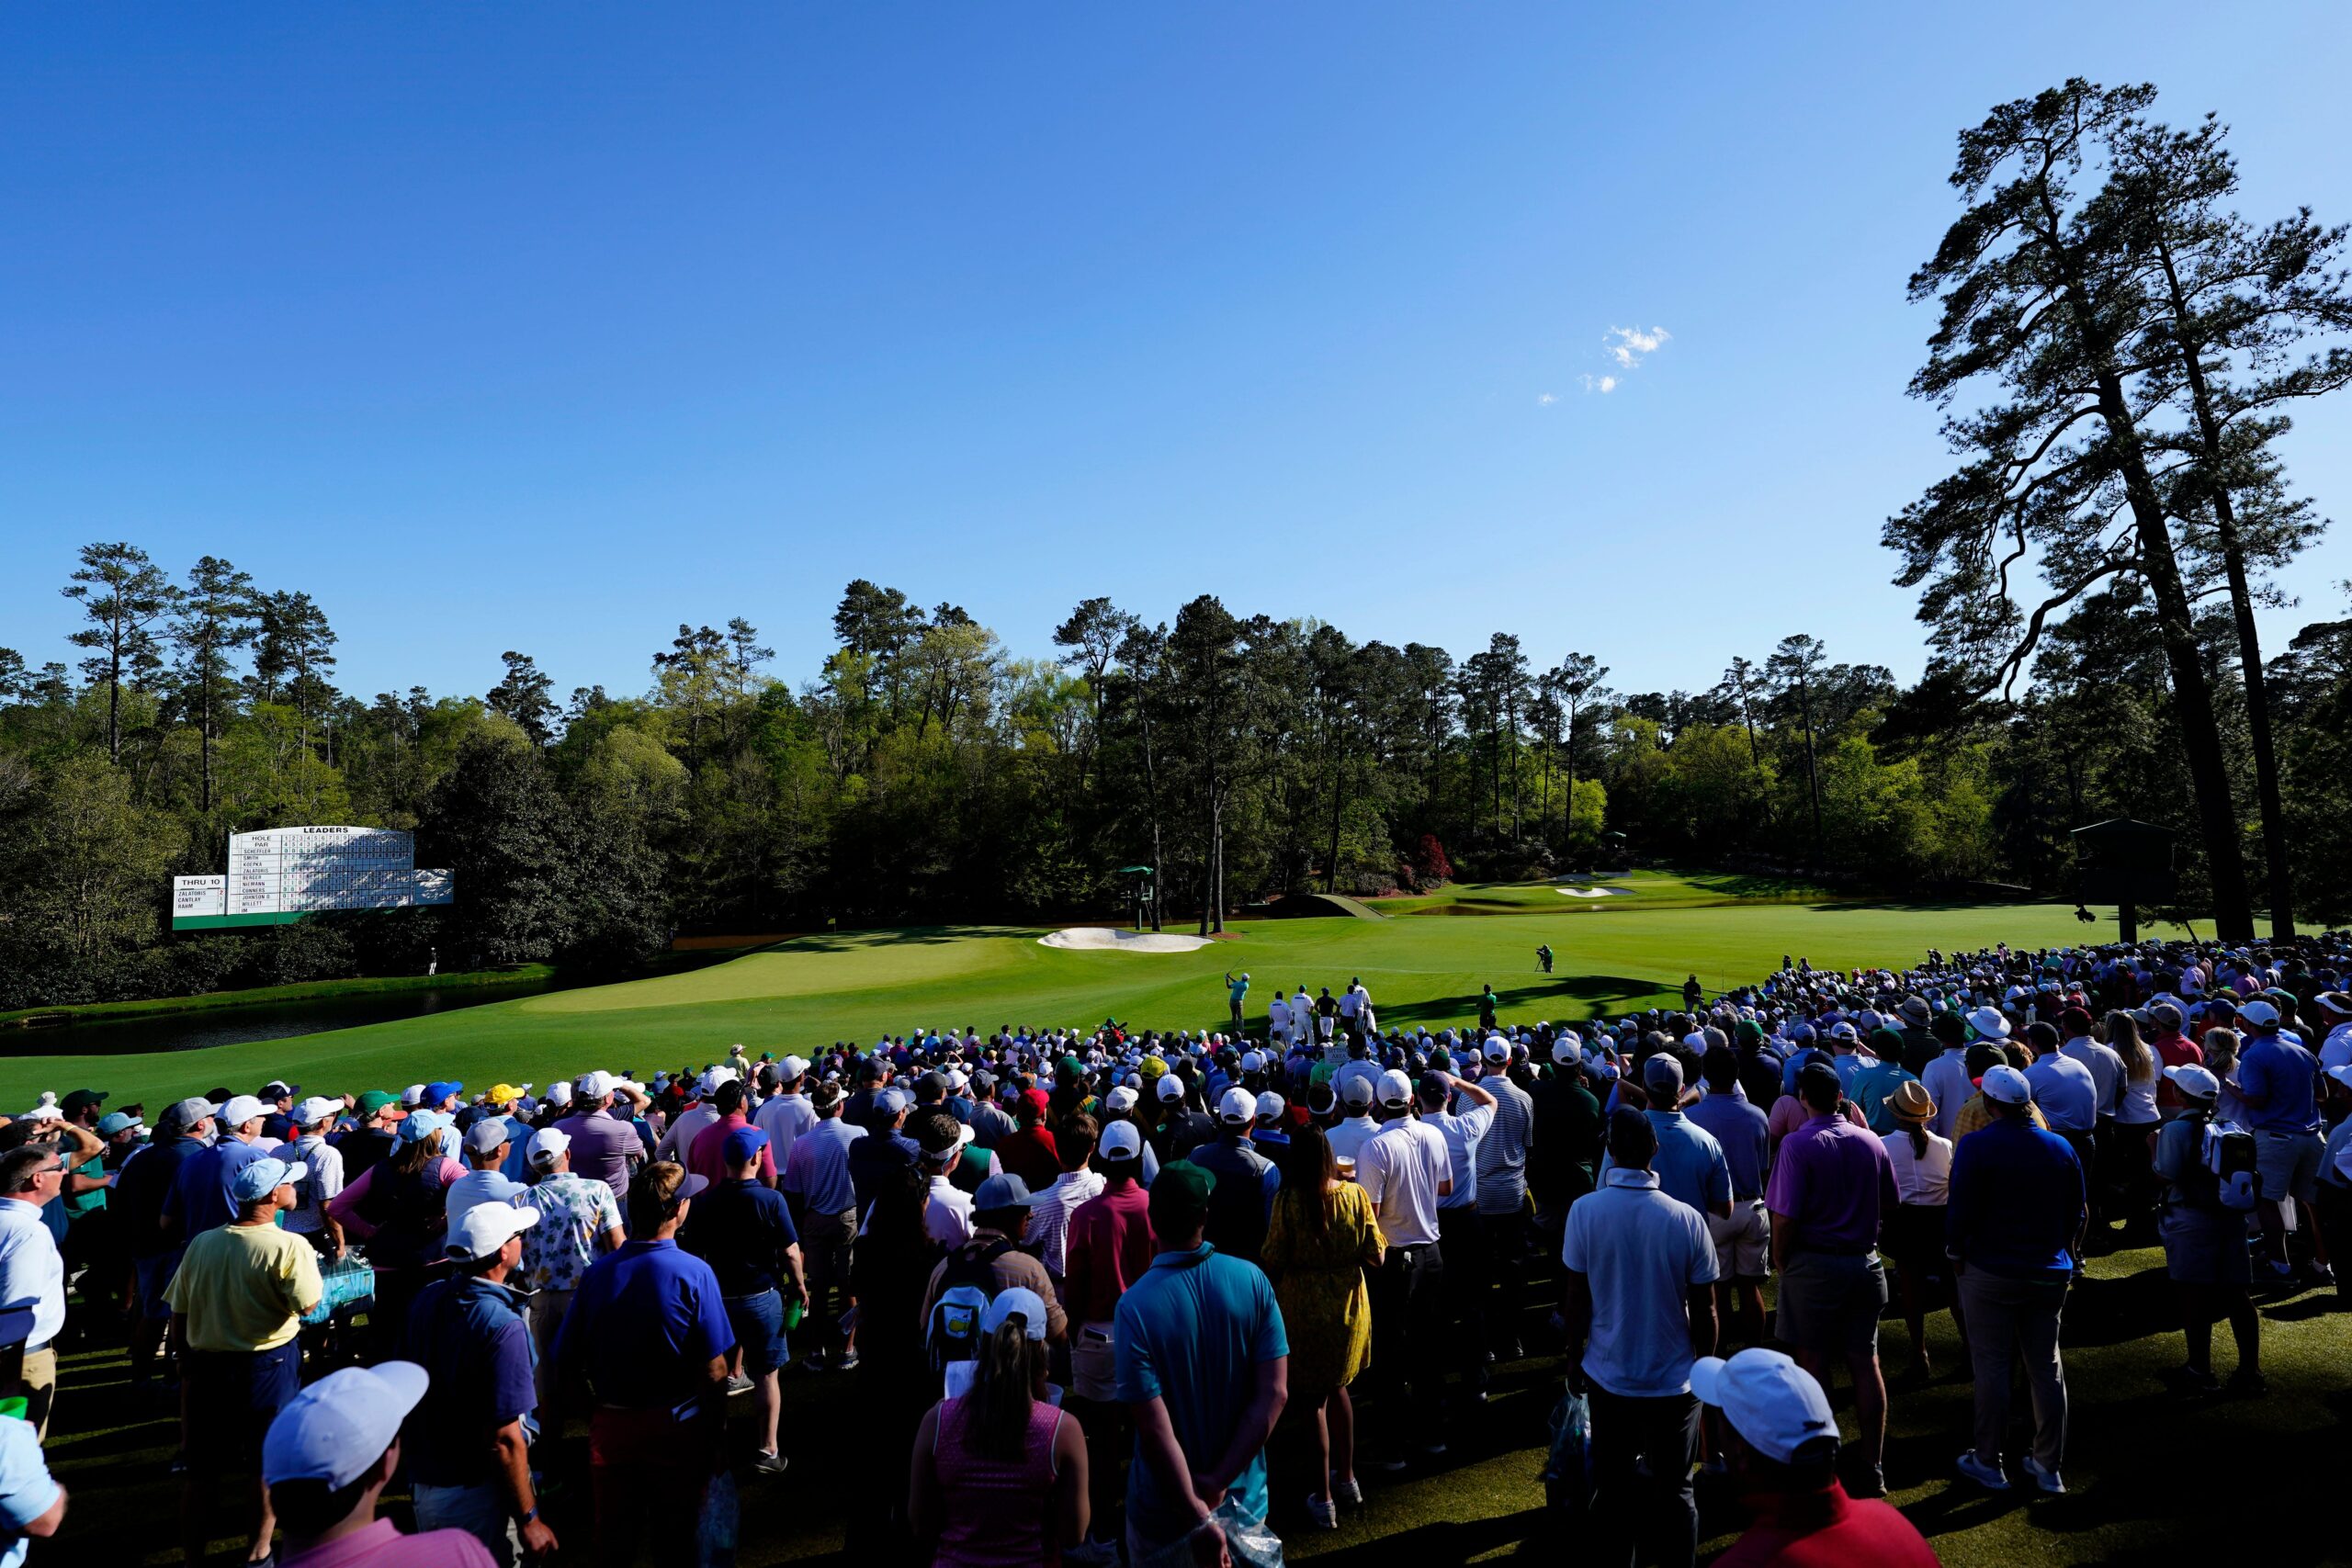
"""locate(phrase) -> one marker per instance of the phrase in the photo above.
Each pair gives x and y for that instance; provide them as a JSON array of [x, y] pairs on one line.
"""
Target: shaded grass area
[[301, 991], [2152, 1479], [1614, 955]]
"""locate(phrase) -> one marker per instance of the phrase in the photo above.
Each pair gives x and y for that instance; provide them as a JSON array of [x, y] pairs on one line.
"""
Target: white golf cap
[[2199, 1084], [1121, 1140], [2259, 1013], [792, 1067], [335, 1429], [239, 1108], [558, 1093], [1357, 1089], [1017, 1301], [1238, 1105], [1396, 1088], [487, 1227], [1271, 1104], [1170, 1086], [1121, 1098], [315, 1110], [1770, 1400], [546, 1146], [413, 1096], [2005, 1085], [596, 1085], [1496, 1048]]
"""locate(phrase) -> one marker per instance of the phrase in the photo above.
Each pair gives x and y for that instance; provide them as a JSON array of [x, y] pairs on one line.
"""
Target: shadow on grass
[[1590, 990], [881, 936]]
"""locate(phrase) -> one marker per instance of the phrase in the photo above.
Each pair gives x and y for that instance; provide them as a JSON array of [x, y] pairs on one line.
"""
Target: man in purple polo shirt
[[1831, 1184], [602, 1145]]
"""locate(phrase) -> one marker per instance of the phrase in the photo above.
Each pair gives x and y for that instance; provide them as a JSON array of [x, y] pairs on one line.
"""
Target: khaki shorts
[[1093, 1364], [1743, 1241]]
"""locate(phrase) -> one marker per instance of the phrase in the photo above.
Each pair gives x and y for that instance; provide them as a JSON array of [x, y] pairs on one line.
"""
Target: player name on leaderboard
[[282, 874]]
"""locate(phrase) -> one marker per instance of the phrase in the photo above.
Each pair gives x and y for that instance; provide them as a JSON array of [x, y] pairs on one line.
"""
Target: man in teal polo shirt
[[1204, 1367]]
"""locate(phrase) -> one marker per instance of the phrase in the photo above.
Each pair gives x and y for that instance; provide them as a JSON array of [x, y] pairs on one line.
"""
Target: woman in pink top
[[1000, 1475]]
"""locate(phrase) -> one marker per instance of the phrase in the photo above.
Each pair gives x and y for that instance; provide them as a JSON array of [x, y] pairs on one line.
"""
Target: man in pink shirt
[[705, 1156], [328, 1457]]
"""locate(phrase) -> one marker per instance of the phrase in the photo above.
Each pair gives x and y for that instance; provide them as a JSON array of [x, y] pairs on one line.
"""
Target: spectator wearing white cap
[[1246, 1179], [1462, 1237], [1407, 1172], [1783, 1455], [321, 1164], [202, 1194], [1000, 1474], [2013, 1225], [469, 1440], [2278, 1082], [2204, 1239], [678, 1142], [1357, 1126], [327, 1459], [1639, 1305], [580, 1220], [237, 1304], [786, 1113], [603, 1144], [485, 1180]]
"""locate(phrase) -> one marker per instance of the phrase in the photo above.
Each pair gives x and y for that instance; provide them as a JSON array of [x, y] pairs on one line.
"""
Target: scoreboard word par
[[280, 874]]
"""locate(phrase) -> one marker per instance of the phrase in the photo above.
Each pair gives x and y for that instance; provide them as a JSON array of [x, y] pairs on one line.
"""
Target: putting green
[[1424, 965]]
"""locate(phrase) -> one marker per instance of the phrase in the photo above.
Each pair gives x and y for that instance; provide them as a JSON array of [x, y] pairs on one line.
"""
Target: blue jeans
[[480, 1511]]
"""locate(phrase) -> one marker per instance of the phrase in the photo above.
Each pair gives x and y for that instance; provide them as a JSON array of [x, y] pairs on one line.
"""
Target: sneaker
[[1988, 1476], [738, 1385], [848, 1363], [1324, 1512], [2047, 1479], [767, 1463], [1870, 1483], [815, 1362], [1433, 1450], [1348, 1491]]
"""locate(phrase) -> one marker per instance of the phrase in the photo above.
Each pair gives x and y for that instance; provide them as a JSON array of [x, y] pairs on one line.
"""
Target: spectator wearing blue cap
[[237, 1303], [744, 1229]]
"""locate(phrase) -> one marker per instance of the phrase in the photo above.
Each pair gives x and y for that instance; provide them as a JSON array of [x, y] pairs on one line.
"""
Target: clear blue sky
[[548, 326]]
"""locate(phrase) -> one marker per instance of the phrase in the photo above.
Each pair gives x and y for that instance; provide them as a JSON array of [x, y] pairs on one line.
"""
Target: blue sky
[[551, 326]]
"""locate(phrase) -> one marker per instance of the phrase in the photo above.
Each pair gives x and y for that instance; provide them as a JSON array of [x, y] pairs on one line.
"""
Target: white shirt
[[1048, 1232], [1924, 1178], [1401, 1169], [1948, 1084], [1348, 1002], [1463, 1134], [1278, 1014], [680, 1135], [2106, 1065], [321, 1180], [2335, 1051], [784, 1118], [947, 1214], [2138, 1106], [31, 1269], [1348, 1139]]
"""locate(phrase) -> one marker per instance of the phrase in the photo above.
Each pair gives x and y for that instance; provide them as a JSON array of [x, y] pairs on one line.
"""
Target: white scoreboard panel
[[282, 874]]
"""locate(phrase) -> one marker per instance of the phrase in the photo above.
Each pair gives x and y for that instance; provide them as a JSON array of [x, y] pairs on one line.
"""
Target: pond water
[[270, 1020]]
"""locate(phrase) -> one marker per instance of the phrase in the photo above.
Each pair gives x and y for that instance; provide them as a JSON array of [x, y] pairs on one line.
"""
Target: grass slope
[[1424, 965]]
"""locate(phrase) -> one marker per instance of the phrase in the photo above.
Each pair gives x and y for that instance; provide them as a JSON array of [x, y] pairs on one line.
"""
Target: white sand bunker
[[1103, 938], [1593, 892]]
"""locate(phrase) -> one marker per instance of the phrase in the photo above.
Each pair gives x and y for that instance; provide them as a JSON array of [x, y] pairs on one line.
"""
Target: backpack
[[2228, 1153], [966, 1286]]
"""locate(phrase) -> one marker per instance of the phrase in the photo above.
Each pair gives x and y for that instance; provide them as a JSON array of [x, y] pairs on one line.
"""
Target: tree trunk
[[1811, 767], [114, 701]]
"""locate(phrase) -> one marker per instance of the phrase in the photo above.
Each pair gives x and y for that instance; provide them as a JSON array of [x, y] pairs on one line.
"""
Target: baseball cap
[[115, 1122], [413, 1096], [792, 1067], [501, 1093], [1171, 1087], [1497, 1049], [1356, 1090], [1015, 1300], [1238, 1105], [1568, 1048], [741, 1144], [1271, 1104], [2259, 1013], [558, 1092], [2005, 1085], [434, 1093], [1120, 1141], [315, 1110], [596, 1085], [546, 1145], [423, 1124], [278, 1089], [1396, 1088], [1120, 1099], [80, 1098], [239, 1108], [376, 1099], [2197, 1083], [1663, 1074], [1002, 1190], [257, 1180], [1770, 1400], [890, 1103], [187, 1112], [1252, 1061], [486, 1134], [335, 1429], [485, 1229]]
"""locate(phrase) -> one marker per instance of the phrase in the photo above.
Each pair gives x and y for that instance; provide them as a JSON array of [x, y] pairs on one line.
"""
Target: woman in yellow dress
[[1322, 1237]]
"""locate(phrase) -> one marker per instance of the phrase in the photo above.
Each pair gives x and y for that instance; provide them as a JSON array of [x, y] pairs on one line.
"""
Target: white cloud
[[1632, 345], [1599, 383], [1544, 400]]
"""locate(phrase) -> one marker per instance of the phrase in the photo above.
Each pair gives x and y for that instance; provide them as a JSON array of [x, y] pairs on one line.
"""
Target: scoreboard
[[280, 874]]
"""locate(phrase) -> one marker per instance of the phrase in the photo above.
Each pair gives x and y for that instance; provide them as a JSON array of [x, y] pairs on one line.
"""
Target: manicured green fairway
[[1424, 965]]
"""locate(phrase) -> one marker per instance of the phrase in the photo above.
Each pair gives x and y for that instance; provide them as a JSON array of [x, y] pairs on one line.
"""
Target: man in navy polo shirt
[[648, 1338], [202, 1193], [469, 1442], [744, 1229], [1203, 1365], [2014, 1222], [2278, 1082]]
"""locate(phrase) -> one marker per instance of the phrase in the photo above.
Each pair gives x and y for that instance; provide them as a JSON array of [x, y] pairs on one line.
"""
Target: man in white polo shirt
[[786, 1113], [1404, 1170], [1640, 1306]]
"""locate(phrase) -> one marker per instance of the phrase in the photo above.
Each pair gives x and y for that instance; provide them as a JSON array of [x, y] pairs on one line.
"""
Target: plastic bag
[[1247, 1540], [722, 1518], [1567, 1472]]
